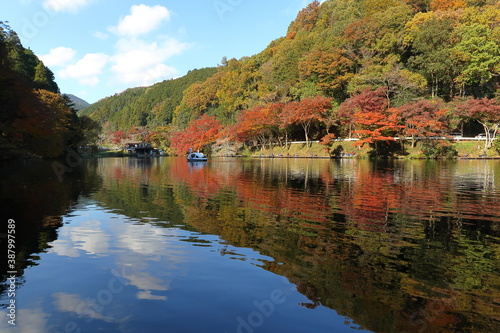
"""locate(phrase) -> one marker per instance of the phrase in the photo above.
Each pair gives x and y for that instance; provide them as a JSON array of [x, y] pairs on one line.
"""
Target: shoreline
[[347, 150]]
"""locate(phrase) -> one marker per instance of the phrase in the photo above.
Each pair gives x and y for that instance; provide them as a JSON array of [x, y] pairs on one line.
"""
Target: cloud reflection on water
[[88, 238]]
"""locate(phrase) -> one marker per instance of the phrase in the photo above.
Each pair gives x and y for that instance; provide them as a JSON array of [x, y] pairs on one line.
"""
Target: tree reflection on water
[[396, 246]]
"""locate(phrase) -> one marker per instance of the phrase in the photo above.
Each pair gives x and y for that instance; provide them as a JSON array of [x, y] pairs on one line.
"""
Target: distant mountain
[[79, 104]]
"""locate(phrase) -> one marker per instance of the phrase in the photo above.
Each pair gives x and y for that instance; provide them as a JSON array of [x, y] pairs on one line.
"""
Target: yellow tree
[[329, 70], [239, 86], [197, 99], [447, 4]]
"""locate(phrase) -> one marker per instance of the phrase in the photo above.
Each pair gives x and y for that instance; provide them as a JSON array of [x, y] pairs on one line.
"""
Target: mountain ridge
[[78, 103]]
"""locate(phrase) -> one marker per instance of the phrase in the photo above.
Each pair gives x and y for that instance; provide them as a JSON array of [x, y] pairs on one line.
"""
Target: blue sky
[[97, 48]]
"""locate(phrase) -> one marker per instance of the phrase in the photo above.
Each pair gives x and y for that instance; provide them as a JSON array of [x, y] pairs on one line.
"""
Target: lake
[[250, 245]]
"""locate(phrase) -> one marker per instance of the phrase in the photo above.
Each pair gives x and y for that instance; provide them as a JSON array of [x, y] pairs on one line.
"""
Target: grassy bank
[[470, 149], [474, 149], [303, 150]]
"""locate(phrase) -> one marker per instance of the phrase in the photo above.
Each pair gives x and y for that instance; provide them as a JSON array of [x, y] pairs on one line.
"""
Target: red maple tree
[[305, 113], [422, 119], [372, 120], [486, 112], [258, 123], [118, 137], [366, 101], [200, 133]]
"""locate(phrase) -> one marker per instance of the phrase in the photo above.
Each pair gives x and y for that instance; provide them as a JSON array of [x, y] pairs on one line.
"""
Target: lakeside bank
[[347, 149]]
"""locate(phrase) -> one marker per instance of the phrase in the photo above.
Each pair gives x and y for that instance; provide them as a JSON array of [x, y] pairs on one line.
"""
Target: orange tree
[[330, 71], [305, 113], [259, 123], [376, 126], [447, 4], [47, 124], [373, 121], [199, 134], [366, 101]]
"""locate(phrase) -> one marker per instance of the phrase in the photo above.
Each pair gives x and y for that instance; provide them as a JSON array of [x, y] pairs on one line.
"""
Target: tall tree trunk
[[306, 130]]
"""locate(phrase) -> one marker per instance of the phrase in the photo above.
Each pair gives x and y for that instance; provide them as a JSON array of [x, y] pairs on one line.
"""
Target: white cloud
[[65, 302], [65, 248], [91, 238], [88, 237], [148, 295], [142, 63], [142, 20], [128, 70], [87, 69], [59, 56], [90, 81], [33, 320], [145, 281], [100, 35], [65, 5], [136, 60], [142, 239]]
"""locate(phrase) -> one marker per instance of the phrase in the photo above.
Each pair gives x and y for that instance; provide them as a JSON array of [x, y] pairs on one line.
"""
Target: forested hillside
[[144, 106], [369, 69], [35, 120]]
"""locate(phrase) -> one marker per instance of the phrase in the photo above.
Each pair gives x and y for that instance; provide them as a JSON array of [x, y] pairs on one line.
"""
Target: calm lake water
[[261, 245]]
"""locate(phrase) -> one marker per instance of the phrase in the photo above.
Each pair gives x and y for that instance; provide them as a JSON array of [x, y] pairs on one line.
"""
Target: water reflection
[[390, 246], [32, 196], [89, 238]]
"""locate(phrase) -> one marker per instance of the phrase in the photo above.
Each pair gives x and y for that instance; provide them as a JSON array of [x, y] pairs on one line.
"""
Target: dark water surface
[[160, 245]]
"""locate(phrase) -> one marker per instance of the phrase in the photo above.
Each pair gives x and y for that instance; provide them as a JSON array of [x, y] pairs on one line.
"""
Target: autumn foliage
[[371, 70], [257, 124], [423, 119], [35, 119], [447, 4], [199, 134], [486, 112], [44, 126], [119, 137], [368, 117], [365, 116], [375, 126], [305, 113]]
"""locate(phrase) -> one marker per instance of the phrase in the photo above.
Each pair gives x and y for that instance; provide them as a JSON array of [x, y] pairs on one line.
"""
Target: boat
[[196, 157]]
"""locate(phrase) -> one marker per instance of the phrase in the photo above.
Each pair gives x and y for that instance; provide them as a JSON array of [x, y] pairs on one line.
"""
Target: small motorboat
[[196, 157]]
